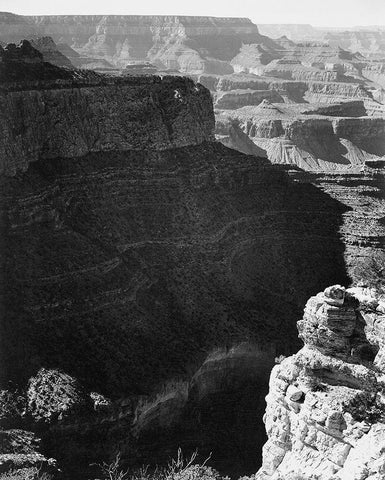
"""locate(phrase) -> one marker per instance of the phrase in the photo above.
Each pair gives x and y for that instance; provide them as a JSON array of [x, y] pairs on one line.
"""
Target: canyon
[[160, 235], [242, 69]]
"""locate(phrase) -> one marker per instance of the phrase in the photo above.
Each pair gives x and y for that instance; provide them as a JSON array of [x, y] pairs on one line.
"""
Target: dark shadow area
[[126, 269]]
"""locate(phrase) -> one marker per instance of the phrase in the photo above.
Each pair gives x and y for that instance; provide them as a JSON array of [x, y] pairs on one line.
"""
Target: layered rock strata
[[64, 118], [325, 409], [184, 43], [322, 137]]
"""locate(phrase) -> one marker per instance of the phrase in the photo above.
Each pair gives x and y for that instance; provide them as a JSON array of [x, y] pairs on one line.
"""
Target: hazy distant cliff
[[185, 43]]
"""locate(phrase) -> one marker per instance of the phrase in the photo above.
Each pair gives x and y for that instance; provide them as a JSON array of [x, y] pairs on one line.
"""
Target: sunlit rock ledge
[[325, 415]]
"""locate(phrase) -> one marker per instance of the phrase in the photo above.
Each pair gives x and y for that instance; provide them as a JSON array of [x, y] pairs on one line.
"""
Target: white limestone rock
[[325, 414]]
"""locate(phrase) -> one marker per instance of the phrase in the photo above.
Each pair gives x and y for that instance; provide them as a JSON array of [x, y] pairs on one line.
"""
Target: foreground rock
[[325, 415]]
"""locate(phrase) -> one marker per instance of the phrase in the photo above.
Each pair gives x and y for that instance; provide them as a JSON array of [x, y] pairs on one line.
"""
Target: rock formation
[[325, 408], [67, 128], [240, 66], [293, 31], [47, 47], [327, 137], [189, 44], [367, 40]]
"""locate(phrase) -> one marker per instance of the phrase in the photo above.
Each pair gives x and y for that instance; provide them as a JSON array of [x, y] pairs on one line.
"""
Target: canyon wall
[[172, 42], [339, 136], [133, 246], [66, 118]]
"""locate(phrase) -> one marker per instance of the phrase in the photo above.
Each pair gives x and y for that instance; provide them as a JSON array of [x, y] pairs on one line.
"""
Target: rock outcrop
[[325, 408], [47, 47], [57, 118]]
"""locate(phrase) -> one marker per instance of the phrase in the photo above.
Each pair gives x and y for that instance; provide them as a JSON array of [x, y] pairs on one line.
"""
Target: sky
[[338, 13]]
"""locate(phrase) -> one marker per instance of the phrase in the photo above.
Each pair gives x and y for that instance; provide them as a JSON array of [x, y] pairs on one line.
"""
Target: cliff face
[[376, 73], [66, 118], [185, 43], [328, 138], [325, 407]]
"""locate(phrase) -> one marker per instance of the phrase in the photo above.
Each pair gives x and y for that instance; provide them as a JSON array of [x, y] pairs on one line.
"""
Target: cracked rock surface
[[325, 408]]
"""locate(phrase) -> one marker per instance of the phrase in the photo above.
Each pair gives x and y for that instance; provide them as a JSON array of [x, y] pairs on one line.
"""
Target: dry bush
[[179, 468], [31, 473]]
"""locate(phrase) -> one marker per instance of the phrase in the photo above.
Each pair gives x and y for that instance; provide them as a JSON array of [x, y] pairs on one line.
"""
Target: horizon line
[[191, 16]]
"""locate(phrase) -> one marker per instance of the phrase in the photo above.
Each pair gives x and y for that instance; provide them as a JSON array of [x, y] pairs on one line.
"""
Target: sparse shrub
[[367, 410], [295, 476], [12, 408], [279, 359], [31, 473], [54, 395], [311, 381], [371, 271], [315, 384], [113, 470], [177, 469]]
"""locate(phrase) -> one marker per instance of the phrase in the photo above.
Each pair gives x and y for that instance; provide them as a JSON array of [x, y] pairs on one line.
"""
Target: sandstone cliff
[[325, 408]]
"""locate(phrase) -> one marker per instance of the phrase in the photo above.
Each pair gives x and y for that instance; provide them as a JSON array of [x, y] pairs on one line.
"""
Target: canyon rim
[[192, 243]]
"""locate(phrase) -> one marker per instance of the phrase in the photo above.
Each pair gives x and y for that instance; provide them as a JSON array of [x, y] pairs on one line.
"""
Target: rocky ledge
[[325, 415]]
